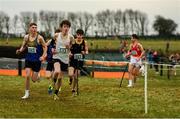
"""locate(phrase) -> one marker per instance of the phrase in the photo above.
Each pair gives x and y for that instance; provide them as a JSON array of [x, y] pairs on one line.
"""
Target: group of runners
[[65, 53]]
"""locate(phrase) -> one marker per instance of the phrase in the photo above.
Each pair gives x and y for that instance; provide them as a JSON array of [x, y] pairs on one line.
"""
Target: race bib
[[31, 50], [133, 52], [78, 56], [62, 50]]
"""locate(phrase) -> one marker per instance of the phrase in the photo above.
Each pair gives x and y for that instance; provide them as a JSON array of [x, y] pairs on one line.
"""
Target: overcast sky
[[166, 8]]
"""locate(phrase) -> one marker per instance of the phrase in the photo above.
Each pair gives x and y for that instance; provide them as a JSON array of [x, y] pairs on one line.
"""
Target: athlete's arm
[[53, 50], [42, 42], [142, 50], [48, 42], [71, 41], [56, 36], [86, 48], [23, 46], [129, 51]]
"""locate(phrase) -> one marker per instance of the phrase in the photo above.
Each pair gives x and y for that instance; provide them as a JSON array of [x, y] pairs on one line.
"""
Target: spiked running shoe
[[73, 93], [50, 89]]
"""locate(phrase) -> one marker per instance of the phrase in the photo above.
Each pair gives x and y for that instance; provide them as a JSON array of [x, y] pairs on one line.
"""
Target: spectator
[[174, 59], [150, 57], [156, 61]]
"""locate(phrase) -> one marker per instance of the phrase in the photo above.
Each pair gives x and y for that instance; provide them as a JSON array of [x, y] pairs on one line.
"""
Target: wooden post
[[19, 67], [168, 72], [161, 70]]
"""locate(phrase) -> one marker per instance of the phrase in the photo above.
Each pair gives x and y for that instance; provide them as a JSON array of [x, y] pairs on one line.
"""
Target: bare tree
[[2, 21], [137, 23], [26, 18], [85, 21], [100, 18], [110, 21], [45, 20], [60, 16], [125, 22], [73, 18], [7, 24], [117, 20], [88, 21], [34, 17], [50, 21], [80, 19], [143, 22], [131, 19], [53, 23], [14, 23], [105, 22]]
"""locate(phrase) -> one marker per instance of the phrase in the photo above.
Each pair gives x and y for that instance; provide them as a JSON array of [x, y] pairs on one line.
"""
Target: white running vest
[[62, 51]]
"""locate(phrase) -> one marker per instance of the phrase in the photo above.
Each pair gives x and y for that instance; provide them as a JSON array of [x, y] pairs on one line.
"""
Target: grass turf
[[99, 98], [112, 43]]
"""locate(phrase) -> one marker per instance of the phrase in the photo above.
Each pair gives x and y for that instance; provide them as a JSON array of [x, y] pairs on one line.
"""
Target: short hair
[[32, 24], [80, 31], [66, 22], [57, 30], [135, 36]]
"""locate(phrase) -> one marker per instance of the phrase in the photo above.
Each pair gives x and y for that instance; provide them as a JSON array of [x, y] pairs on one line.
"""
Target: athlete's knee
[[130, 70], [34, 79], [56, 73], [75, 80], [71, 76], [70, 71], [48, 76], [28, 74], [28, 77], [135, 72]]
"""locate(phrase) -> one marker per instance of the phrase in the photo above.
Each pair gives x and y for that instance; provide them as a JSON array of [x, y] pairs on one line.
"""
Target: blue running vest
[[34, 50]]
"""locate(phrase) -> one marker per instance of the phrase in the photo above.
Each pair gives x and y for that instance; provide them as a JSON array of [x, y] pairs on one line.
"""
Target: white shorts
[[135, 61]]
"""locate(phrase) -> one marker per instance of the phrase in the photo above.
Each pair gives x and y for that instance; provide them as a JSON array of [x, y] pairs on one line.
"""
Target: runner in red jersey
[[136, 53]]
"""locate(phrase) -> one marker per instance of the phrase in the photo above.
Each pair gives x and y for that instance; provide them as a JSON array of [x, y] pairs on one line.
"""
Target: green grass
[[11, 42], [99, 98], [111, 44], [153, 44]]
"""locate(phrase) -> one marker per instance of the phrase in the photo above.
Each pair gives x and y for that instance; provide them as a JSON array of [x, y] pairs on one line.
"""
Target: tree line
[[103, 23]]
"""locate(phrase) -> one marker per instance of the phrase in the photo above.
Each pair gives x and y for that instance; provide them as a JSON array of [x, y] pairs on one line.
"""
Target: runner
[[63, 42], [35, 48], [50, 65], [78, 50], [136, 53]]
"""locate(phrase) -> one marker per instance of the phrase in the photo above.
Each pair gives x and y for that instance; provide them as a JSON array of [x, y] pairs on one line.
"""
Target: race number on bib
[[133, 52], [78, 56], [62, 50], [31, 50]]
